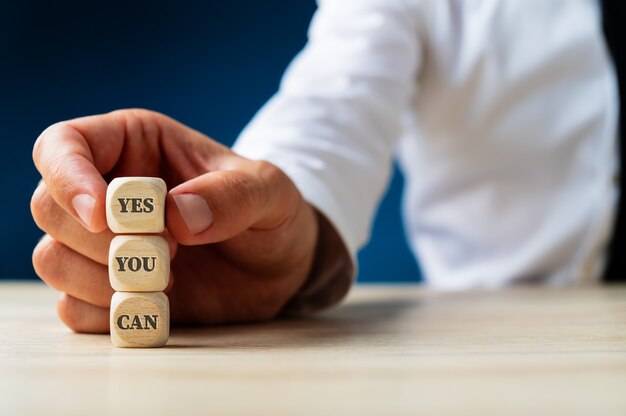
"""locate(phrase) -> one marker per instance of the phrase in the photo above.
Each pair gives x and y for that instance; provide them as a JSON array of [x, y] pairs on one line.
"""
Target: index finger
[[72, 156]]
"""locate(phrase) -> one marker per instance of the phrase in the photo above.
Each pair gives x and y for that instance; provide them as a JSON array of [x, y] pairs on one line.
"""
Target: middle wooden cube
[[139, 263]]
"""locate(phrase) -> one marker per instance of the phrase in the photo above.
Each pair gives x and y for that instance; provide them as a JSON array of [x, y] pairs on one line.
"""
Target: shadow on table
[[372, 319]]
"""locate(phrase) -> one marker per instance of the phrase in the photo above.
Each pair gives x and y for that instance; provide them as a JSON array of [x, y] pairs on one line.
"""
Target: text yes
[[136, 205]]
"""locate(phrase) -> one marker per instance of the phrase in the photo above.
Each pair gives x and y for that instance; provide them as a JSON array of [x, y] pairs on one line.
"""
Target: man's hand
[[242, 236]]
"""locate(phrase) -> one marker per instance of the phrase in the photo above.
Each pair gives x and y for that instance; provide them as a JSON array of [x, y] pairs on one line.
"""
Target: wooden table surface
[[388, 350]]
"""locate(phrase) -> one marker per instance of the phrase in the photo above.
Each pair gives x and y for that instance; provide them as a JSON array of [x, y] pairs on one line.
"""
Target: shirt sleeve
[[332, 126]]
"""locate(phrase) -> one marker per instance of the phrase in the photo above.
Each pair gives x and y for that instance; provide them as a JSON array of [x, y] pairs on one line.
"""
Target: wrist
[[330, 275]]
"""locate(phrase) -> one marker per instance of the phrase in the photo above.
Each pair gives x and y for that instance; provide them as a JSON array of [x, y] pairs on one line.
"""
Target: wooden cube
[[136, 205], [139, 263], [139, 320]]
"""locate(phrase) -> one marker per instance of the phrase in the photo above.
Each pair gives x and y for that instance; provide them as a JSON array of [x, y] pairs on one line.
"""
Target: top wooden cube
[[136, 205]]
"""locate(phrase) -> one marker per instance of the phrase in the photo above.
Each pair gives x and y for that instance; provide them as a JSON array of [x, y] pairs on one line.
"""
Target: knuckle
[[43, 207], [41, 255], [272, 175], [142, 114], [46, 255], [275, 183], [43, 138], [68, 314], [137, 112], [239, 185], [46, 158], [56, 180], [37, 205]]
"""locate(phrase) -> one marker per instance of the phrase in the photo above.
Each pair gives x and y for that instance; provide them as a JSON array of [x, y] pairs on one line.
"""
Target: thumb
[[220, 205]]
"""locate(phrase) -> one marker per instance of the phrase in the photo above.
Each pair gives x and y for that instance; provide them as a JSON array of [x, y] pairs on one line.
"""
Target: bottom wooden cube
[[139, 320]]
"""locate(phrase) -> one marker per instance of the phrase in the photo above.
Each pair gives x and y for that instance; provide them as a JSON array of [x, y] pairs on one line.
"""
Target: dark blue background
[[209, 64]]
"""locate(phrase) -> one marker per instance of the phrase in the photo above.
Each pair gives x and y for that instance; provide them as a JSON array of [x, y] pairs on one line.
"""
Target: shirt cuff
[[331, 275]]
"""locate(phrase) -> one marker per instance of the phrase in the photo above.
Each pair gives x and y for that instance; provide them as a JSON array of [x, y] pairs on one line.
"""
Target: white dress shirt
[[503, 116]]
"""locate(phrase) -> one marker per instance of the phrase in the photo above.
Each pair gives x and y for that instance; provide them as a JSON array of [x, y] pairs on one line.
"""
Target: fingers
[[54, 220], [219, 205], [63, 155], [73, 156], [211, 290], [81, 316], [68, 271]]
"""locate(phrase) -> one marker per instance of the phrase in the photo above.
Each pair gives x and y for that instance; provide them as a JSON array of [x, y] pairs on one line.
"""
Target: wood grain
[[399, 350], [139, 319], [136, 205], [139, 263]]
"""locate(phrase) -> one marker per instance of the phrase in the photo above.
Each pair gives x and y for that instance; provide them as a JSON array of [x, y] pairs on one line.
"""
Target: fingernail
[[83, 205], [195, 212]]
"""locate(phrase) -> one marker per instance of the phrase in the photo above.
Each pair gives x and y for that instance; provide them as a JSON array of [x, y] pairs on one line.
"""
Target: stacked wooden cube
[[139, 263]]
